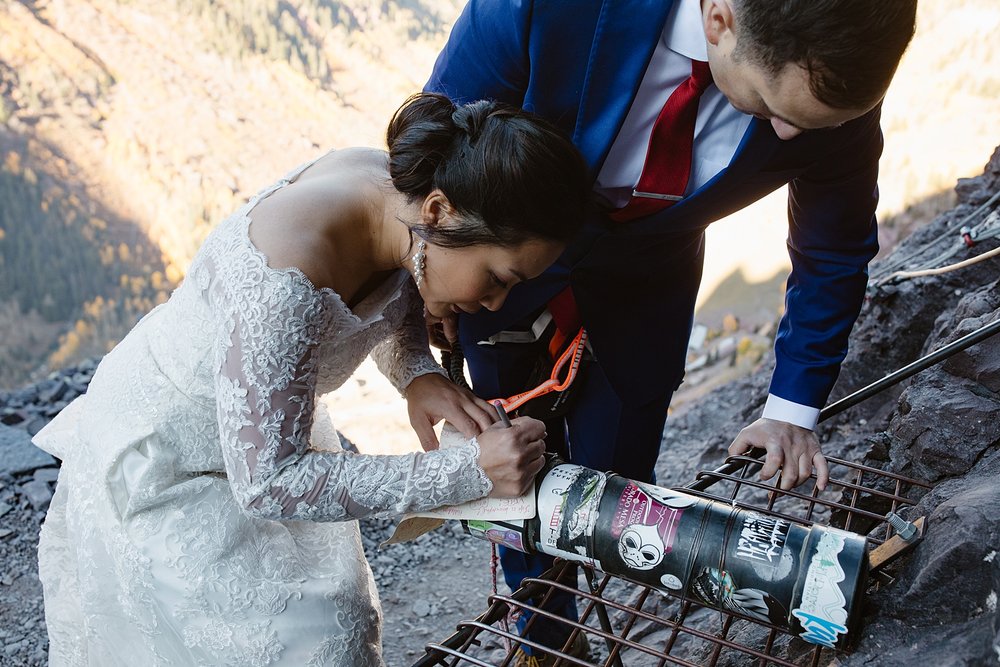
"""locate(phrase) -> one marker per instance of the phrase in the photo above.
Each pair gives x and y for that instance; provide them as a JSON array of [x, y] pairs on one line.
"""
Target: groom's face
[[783, 99]]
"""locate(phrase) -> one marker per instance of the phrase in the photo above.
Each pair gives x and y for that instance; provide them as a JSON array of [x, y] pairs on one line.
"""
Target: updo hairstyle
[[509, 175]]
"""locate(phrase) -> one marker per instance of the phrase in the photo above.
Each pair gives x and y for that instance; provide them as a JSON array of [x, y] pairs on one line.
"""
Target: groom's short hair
[[850, 47]]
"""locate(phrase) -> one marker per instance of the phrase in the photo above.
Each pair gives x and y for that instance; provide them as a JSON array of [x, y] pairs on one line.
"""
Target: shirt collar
[[684, 32]]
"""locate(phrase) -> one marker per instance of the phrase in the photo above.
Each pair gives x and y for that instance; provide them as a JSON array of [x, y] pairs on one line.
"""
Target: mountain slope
[[130, 129]]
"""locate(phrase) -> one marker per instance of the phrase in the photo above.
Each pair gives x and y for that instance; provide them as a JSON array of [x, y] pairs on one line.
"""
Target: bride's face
[[467, 279]]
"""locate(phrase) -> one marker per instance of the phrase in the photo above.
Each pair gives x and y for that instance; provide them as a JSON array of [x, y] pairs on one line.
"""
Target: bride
[[205, 513]]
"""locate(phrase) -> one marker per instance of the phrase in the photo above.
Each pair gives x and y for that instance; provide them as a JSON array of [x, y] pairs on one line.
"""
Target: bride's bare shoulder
[[306, 223]]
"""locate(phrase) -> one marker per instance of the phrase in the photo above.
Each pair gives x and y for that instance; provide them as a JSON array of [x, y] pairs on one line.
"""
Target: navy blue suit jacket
[[579, 64]]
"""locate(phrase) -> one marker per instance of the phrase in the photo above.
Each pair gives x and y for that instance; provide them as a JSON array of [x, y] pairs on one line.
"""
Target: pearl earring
[[419, 261]]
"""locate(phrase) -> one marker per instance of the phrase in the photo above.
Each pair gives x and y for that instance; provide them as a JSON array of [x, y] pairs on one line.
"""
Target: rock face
[[942, 427], [945, 429]]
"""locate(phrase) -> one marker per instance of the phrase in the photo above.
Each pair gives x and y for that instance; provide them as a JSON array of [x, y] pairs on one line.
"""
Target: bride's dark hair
[[509, 174]]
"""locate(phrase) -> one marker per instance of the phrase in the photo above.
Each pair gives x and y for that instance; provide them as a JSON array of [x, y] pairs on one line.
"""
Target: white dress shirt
[[718, 130]]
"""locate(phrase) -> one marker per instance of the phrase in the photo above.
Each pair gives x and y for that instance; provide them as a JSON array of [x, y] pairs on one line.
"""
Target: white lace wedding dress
[[205, 513]]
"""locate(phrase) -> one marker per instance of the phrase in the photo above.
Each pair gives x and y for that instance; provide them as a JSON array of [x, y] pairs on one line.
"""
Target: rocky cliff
[[942, 427], [128, 130]]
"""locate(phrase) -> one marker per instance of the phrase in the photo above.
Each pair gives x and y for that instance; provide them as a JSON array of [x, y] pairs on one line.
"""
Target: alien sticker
[[641, 547], [645, 525]]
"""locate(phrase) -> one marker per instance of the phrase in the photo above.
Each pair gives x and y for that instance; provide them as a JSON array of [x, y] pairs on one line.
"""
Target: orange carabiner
[[570, 357]]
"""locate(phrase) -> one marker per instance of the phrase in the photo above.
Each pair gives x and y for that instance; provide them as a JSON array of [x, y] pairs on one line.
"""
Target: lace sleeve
[[405, 355], [266, 375]]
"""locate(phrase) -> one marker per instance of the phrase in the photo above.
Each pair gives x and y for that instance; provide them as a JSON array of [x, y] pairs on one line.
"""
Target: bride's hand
[[511, 457], [431, 398]]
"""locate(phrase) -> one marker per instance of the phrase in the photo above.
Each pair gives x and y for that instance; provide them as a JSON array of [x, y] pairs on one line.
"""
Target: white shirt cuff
[[782, 410]]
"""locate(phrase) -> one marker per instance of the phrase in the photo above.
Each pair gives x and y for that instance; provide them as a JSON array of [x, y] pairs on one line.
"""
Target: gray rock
[[18, 454], [421, 608], [947, 590], [11, 415], [980, 363], [52, 409], [47, 474], [935, 417], [36, 425], [38, 494]]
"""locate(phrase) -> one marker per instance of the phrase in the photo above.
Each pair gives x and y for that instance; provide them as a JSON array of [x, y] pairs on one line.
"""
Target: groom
[[686, 111]]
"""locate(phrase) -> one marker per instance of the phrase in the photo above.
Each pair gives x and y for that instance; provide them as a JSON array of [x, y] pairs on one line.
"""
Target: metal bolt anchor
[[906, 530]]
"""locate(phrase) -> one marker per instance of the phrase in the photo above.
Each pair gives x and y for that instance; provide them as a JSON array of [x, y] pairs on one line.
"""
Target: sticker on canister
[[568, 501], [645, 525], [822, 608], [761, 544], [719, 589], [509, 534]]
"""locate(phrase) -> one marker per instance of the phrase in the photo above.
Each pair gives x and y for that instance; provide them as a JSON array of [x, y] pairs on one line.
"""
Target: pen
[[504, 419]]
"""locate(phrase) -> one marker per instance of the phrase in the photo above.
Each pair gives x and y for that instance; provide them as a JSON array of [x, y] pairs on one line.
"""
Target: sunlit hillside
[[941, 120], [142, 124], [128, 129]]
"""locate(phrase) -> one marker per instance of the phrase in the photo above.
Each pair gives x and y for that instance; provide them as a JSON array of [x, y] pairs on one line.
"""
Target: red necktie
[[668, 159], [664, 175]]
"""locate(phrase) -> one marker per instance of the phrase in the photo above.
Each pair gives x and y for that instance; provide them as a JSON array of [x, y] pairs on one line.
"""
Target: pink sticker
[[635, 507]]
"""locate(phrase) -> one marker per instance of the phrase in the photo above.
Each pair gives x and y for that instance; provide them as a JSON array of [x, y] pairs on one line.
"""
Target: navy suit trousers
[[600, 432]]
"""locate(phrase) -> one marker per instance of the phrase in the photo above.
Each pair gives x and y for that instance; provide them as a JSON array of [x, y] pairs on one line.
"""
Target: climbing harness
[[559, 364], [564, 372]]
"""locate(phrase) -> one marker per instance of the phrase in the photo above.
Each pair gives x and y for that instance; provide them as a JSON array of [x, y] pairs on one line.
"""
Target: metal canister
[[807, 580]]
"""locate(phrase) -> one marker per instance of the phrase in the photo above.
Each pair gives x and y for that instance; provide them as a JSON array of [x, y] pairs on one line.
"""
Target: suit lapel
[[627, 33], [755, 148]]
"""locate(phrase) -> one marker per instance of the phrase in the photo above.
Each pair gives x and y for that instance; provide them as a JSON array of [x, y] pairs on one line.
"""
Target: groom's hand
[[792, 449]]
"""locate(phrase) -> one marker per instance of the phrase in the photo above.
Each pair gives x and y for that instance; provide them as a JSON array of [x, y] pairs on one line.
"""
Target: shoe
[[579, 649]]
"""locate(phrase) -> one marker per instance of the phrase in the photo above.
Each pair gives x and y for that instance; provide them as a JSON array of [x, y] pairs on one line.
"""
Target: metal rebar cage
[[627, 623]]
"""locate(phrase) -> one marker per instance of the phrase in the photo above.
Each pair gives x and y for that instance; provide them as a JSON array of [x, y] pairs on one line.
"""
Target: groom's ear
[[436, 209], [719, 21]]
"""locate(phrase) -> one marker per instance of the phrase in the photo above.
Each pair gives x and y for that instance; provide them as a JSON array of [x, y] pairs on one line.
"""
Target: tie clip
[[654, 195]]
